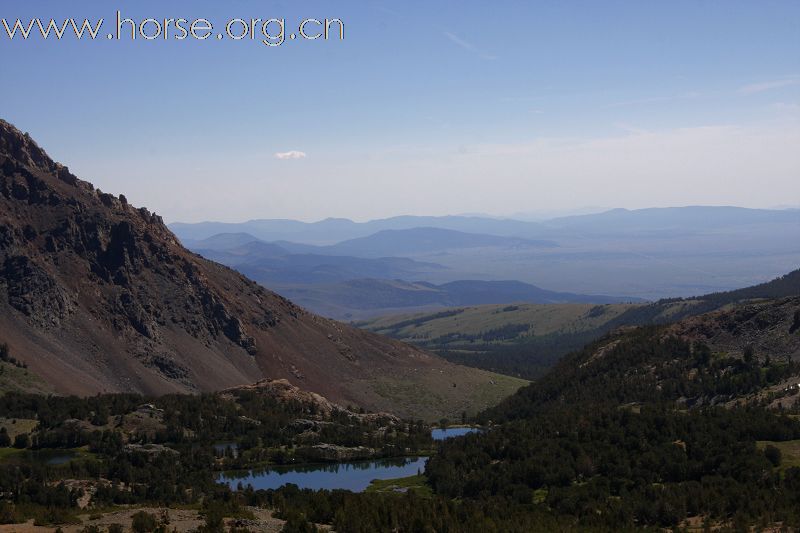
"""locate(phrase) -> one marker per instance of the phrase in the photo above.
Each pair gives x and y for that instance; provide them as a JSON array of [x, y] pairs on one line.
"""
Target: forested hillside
[[658, 426]]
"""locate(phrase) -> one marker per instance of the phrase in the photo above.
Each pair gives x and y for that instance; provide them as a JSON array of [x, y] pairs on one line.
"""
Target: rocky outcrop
[[766, 328], [331, 453], [32, 291], [317, 405]]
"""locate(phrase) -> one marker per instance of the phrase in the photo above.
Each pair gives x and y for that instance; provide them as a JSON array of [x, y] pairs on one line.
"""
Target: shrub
[[22, 441], [297, 523], [773, 454], [143, 522]]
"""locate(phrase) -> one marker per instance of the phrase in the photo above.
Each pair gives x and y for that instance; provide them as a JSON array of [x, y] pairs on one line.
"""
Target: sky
[[425, 108]]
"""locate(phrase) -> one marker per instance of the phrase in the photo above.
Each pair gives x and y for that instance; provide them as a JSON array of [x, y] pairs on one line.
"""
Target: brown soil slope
[[99, 296]]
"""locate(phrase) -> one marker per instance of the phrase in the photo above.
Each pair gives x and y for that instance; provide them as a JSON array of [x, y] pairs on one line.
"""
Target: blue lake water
[[355, 476], [442, 434]]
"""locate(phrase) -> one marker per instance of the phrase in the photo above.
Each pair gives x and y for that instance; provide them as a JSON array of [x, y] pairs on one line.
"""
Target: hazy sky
[[424, 108]]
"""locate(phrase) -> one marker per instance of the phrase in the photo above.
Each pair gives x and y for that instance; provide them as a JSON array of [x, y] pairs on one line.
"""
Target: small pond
[[51, 457], [442, 434]]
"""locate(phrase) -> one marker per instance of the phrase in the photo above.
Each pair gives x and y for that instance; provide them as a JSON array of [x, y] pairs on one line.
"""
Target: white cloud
[[291, 154], [467, 45], [459, 41], [768, 85]]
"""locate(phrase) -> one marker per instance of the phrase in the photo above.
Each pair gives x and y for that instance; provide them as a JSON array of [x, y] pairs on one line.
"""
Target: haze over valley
[[350, 270]]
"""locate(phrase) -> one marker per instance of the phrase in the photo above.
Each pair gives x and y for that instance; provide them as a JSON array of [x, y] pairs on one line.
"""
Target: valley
[[137, 376], [659, 426], [482, 267]]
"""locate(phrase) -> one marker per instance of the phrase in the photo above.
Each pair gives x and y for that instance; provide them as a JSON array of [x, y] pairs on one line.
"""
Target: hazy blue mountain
[[267, 230], [361, 298], [312, 269], [672, 220], [271, 264], [221, 241], [426, 240]]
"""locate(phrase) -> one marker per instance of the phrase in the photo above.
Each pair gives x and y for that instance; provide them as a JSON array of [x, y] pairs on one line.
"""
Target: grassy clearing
[[431, 394], [7, 453], [16, 379], [418, 484], [543, 318], [790, 452]]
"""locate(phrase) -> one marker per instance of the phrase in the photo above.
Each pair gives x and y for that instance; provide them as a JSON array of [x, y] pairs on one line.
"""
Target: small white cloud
[[468, 46], [768, 85], [291, 154], [459, 41]]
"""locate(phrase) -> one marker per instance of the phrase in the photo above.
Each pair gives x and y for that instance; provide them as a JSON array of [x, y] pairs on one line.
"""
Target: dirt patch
[[180, 520]]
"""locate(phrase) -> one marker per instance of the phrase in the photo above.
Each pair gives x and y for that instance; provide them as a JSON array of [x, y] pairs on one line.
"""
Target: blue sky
[[424, 107]]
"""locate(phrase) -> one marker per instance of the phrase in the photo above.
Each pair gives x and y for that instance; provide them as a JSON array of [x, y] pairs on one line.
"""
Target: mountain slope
[[673, 309], [520, 340], [696, 361], [96, 295]]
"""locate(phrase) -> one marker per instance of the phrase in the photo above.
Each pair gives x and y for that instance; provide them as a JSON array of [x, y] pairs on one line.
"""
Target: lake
[[355, 476], [442, 434]]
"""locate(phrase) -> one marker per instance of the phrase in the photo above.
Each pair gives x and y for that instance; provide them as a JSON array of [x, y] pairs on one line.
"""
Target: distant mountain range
[[645, 253], [335, 230], [347, 287], [415, 241], [385, 243], [615, 221], [671, 220]]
